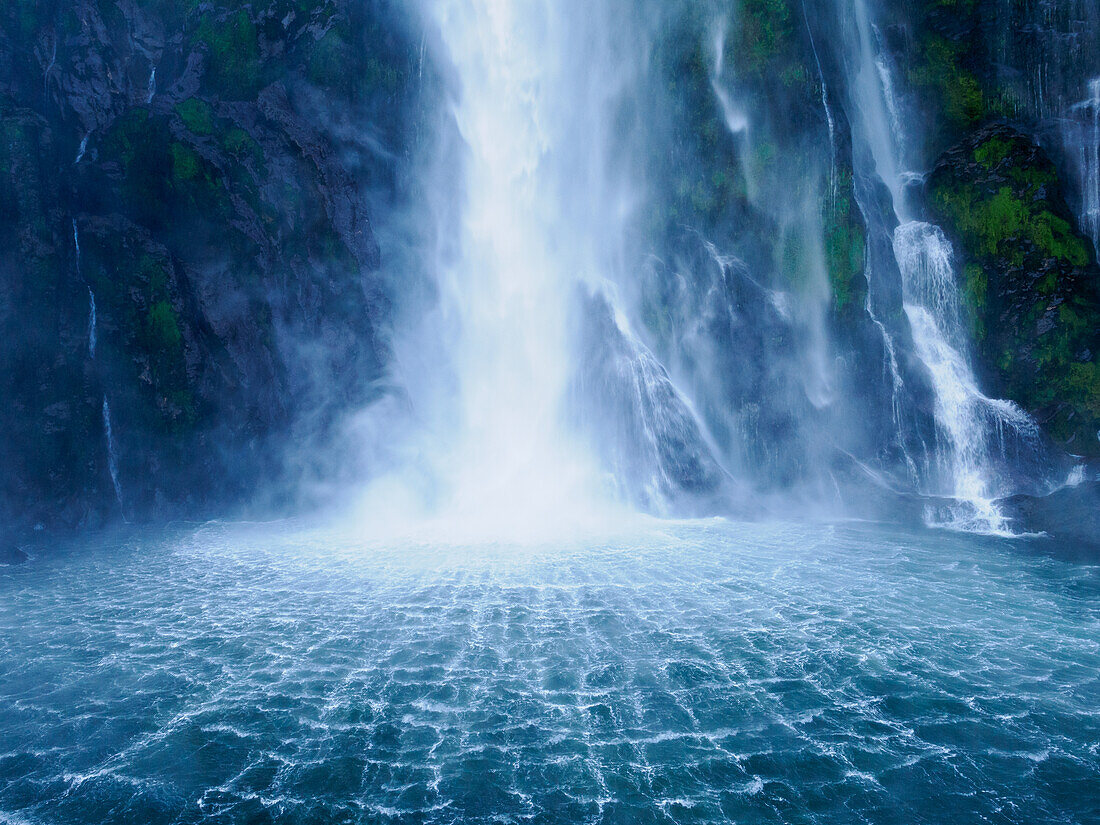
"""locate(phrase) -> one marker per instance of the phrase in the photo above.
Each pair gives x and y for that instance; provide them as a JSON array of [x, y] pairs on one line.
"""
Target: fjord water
[[679, 672]]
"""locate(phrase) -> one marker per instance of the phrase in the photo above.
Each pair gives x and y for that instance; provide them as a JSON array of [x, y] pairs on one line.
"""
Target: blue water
[[701, 672]]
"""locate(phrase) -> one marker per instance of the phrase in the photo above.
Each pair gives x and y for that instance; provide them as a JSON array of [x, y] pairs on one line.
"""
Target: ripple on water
[[690, 673]]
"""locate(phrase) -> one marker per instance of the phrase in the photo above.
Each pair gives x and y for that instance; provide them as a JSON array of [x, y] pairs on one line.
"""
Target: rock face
[[190, 279], [180, 166], [1030, 280]]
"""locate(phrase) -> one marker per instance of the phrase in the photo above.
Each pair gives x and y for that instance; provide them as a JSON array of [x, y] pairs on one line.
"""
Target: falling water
[[83, 148], [977, 433], [502, 459], [91, 295], [49, 68], [877, 122], [983, 435], [824, 103], [112, 453], [897, 384], [91, 323], [1088, 147], [151, 88], [526, 425]]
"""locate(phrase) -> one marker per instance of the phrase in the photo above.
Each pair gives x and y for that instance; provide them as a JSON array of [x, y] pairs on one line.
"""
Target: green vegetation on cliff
[[234, 67], [1030, 285], [844, 245]]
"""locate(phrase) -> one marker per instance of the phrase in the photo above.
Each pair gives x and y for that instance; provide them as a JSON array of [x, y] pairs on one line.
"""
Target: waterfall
[[495, 456], [977, 434], [736, 120], [1085, 138], [534, 388], [91, 323], [151, 86], [91, 295], [83, 148], [897, 384], [983, 436], [521, 251], [112, 453], [824, 103], [49, 68]]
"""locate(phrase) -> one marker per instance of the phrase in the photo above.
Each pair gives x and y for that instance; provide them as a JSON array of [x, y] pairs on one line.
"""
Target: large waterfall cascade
[[541, 222], [530, 413]]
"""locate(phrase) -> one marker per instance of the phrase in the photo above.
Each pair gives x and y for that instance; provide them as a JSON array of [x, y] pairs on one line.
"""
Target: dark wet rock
[[1069, 518], [223, 229], [641, 426], [10, 554]]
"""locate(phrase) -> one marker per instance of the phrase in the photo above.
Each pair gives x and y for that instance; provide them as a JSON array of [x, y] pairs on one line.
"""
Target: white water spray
[[980, 432], [976, 431], [540, 220]]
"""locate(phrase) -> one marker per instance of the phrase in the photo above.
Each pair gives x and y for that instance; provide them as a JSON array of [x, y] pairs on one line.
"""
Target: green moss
[[27, 18], [165, 181], [139, 144], [197, 116], [1056, 239], [992, 152], [233, 54], [358, 61], [975, 294], [708, 179], [1002, 224], [186, 164], [327, 66], [134, 287], [941, 70], [240, 145], [1036, 327], [764, 30], [844, 244], [163, 329]]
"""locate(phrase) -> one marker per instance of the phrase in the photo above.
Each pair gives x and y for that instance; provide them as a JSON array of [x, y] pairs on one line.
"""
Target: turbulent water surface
[[701, 672]]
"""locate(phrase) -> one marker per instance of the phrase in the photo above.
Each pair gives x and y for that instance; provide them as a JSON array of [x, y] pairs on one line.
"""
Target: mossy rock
[[845, 245], [708, 182], [1028, 277], [165, 181], [135, 283], [234, 68]]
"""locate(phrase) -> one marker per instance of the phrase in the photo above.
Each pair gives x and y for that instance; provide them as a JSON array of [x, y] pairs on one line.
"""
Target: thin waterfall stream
[[974, 429], [108, 432]]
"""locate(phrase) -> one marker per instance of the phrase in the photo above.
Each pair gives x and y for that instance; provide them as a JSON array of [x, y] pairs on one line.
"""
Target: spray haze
[[533, 87], [656, 267]]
